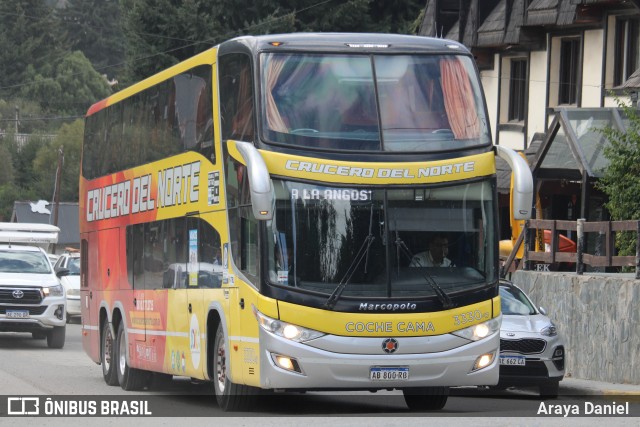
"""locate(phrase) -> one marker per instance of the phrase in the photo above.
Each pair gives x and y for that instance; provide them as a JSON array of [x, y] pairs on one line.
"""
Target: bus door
[[204, 280], [90, 297], [133, 297]]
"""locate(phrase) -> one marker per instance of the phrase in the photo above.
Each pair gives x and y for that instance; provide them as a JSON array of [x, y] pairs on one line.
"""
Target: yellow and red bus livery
[[263, 215]]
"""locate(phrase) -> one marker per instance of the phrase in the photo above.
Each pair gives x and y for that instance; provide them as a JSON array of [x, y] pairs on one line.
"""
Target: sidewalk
[[574, 386]]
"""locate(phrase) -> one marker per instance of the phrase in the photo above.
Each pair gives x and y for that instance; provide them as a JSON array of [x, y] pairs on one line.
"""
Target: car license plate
[[17, 314], [389, 373], [513, 360]]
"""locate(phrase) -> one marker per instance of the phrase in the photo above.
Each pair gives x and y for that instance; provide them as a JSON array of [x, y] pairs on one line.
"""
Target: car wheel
[[38, 335], [426, 398], [549, 390], [129, 378], [230, 396], [55, 337], [107, 355]]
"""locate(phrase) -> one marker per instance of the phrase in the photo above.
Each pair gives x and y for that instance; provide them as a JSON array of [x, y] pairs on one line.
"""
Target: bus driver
[[436, 256]]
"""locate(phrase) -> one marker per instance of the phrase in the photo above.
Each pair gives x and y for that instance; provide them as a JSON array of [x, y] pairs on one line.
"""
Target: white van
[[31, 296]]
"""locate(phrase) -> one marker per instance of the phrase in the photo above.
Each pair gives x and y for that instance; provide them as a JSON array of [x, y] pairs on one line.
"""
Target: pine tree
[[95, 29], [30, 35]]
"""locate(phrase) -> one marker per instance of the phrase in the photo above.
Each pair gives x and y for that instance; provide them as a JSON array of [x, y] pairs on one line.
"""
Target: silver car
[[67, 269], [532, 351]]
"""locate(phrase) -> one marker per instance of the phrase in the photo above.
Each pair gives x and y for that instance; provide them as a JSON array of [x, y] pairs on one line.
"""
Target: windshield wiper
[[363, 253], [444, 299]]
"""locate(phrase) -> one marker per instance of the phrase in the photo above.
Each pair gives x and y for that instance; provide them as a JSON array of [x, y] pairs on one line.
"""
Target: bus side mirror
[[522, 191], [260, 185]]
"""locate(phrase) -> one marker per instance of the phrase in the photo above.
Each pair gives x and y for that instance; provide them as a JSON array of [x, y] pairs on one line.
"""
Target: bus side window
[[236, 97]]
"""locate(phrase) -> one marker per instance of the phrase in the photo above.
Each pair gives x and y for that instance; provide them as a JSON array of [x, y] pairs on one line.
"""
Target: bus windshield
[[398, 243], [372, 103]]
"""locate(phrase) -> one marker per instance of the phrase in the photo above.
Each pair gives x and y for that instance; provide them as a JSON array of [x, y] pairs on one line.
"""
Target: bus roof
[[27, 233], [349, 42]]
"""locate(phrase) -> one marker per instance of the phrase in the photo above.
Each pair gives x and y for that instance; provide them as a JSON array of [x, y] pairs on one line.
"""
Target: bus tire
[[230, 396], [107, 355], [129, 378], [426, 398], [56, 336]]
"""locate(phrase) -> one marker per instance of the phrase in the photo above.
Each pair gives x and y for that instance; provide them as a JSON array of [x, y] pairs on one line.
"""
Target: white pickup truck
[[31, 296]]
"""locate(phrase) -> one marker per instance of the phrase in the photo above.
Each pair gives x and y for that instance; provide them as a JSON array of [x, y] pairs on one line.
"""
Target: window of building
[[569, 64], [517, 89], [627, 49]]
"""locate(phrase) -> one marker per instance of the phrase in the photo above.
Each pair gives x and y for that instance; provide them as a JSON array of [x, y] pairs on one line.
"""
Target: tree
[[95, 29], [621, 179], [45, 163], [69, 87], [30, 35]]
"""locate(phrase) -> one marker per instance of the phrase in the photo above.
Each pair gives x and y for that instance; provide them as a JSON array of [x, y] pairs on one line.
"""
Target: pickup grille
[[525, 346], [33, 310], [29, 296]]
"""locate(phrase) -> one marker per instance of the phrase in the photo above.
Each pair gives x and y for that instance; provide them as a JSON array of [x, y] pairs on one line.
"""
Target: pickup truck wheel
[[107, 355], [55, 337], [38, 335]]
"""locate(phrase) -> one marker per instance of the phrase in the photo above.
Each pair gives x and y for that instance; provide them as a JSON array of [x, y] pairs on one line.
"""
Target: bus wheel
[[129, 378], [107, 356], [230, 396], [426, 398]]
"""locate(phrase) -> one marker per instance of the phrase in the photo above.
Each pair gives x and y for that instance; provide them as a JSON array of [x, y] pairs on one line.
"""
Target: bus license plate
[[513, 360], [395, 373], [18, 314]]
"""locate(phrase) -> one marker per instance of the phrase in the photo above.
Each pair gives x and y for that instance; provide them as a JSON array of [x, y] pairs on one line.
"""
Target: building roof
[[41, 212], [491, 32]]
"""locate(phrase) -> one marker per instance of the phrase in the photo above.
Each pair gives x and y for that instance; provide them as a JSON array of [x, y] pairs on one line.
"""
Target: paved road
[[28, 367]]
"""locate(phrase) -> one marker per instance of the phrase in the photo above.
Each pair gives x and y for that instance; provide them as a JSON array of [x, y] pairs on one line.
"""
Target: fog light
[[287, 363], [483, 361], [59, 313], [558, 358], [559, 352]]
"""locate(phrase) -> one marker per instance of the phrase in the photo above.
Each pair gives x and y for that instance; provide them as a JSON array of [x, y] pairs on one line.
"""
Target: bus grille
[[29, 296], [524, 346]]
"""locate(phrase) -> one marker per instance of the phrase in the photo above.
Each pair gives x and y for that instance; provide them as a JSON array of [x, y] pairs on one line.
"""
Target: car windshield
[[24, 262], [515, 302], [372, 103], [74, 266], [376, 242]]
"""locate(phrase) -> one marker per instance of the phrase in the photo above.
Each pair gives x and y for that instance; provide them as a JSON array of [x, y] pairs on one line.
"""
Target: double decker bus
[[259, 216]]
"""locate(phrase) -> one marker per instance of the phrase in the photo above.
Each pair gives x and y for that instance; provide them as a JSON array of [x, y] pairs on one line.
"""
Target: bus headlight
[[481, 330], [285, 330], [54, 291]]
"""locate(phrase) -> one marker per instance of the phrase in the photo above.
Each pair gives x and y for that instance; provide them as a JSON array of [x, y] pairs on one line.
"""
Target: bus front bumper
[[321, 369]]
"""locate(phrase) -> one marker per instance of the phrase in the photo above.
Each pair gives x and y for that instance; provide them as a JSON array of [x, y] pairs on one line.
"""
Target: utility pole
[[56, 191], [17, 118]]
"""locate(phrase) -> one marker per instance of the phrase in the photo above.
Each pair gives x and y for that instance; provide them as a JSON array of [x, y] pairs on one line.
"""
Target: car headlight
[[550, 331], [481, 330], [54, 291], [285, 330]]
